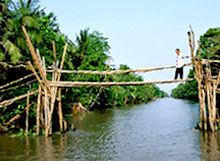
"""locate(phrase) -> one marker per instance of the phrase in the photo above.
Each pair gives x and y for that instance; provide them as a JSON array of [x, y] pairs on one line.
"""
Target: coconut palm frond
[[29, 21], [13, 51], [35, 36]]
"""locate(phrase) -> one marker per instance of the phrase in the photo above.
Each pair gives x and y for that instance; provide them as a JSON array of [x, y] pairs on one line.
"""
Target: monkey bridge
[[49, 91]]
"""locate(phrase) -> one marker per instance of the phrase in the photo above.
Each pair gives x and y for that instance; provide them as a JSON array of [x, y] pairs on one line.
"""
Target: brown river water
[[158, 131]]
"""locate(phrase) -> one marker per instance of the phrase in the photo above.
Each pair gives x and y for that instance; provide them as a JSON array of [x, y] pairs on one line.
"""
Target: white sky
[[142, 33]]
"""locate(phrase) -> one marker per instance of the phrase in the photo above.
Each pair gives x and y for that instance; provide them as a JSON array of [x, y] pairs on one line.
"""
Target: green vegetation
[[210, 49], [90, 51]]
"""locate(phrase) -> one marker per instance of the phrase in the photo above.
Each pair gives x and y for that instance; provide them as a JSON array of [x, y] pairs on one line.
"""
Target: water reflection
[[160, 130], [32, 148], [210, 146]]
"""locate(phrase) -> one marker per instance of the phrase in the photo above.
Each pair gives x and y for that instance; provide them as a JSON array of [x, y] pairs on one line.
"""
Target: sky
[[141, 33]]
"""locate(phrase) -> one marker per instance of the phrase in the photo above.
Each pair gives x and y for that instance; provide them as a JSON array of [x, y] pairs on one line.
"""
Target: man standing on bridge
[[179, 64]]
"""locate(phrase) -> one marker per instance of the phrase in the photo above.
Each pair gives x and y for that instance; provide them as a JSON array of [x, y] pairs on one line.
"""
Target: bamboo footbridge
[[49, 91]]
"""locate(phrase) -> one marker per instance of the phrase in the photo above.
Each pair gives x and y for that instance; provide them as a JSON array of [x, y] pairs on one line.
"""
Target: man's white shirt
[[180, 60]]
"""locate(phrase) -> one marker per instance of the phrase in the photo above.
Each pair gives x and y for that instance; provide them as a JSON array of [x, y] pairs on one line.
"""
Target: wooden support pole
[[217, 81], [201, 103], [214, 106], [204, 110], [18, 115], [60, 113], [210, 99], [16, 81], [35, 74], [209, 106], [99, 84], [117, 71], [10, 101], [36, 60], [54, 51], [46, 108], [27, 113], [199, 75], [18, 86], [38, 110], [53, 98]]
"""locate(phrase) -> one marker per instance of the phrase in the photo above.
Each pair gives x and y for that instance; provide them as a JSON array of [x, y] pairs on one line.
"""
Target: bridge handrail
[[98, 84], [144, 70]]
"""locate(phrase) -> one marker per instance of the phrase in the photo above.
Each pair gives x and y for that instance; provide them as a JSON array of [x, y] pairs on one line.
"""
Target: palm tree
[[12, 41]]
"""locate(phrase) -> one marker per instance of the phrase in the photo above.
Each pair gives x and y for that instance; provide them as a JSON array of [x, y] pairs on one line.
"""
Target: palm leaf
[[13, 51], [29, 21]]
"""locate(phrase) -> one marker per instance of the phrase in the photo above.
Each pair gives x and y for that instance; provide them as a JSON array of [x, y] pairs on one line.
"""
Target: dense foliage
[[210, 49], [90, 51]]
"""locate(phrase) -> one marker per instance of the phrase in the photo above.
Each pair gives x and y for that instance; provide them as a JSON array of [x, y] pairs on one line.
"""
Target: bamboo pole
[[17, 116], [35, 58], [54, 51], [16, 81], [27, 113], [10, 101], [60, 113], [64, 125], [98, 84], [199, 74], [11, 65], [46, 110], [209, 105], [116, 71], [54, 62], [18, 86], [214, 106], [53, 99], [144, 70], [191, 47], [38, 110], [35, 73], [218, 80], [38, 56], [204, 110], [210, 99]]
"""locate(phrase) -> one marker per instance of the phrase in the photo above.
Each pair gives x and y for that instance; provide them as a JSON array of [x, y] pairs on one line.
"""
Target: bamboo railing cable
[[115, 71], [16, 81], [18, 86], [10, 101], [98, 84], [144, 70], [11, 65], [18, 115]]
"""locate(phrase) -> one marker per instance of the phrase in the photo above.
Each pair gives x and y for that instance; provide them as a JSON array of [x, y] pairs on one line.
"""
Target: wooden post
[[60, 113], [54, 51], [36, 59], [214, 106], [204, 110], [199, 75], [38, 110], [35, 73], [209, 99], [18, 115], [46, 111], [27, 112], [54, 93]]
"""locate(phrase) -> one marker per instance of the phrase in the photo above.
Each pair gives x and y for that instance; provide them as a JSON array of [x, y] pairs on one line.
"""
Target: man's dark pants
[[179, 71]]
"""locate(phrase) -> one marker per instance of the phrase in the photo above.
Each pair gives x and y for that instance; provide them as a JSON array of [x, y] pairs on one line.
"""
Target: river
[[158, 131]]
